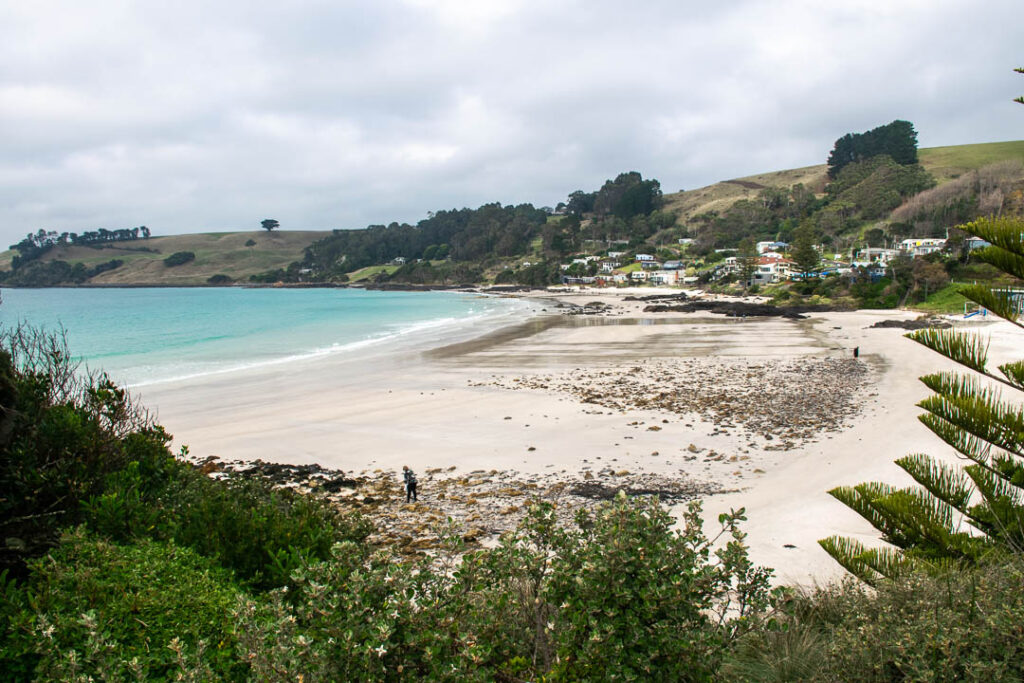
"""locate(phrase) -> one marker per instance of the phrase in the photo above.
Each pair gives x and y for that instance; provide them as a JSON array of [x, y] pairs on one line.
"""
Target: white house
[[762, 247], [644, 257], [664, 277], [919, 246], [771, 269], [875, 255]]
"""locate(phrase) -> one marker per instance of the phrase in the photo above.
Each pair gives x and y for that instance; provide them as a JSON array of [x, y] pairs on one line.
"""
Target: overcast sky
[[195, 116]]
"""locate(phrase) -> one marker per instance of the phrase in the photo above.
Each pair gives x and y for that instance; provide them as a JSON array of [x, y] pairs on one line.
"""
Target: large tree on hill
[[897, 140], [956, 515], [627, 196], [269, 224]]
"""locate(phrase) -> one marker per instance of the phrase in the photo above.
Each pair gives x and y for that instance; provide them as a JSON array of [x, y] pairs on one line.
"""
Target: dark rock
[[913, 324], [738, 309]]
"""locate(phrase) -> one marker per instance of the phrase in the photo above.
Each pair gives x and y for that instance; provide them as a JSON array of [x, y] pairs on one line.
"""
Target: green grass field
[[369, 272], [946, 300], [946, 163]]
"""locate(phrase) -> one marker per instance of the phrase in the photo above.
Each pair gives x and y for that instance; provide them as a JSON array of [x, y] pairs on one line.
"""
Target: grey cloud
[[197, 116]]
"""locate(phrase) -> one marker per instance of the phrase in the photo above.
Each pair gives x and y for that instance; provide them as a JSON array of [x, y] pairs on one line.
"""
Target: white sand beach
[[604, 397]]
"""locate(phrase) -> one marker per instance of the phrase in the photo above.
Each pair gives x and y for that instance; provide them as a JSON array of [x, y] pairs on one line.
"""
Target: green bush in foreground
[[76, 451], [61, 438], [621, 597], [951, 626], [146, 611]]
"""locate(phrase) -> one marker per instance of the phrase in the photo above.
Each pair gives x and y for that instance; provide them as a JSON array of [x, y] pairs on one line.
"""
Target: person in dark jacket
[[410, 483]]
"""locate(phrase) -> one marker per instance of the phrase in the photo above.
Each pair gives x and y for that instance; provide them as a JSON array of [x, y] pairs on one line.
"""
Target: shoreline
[[513, 403]]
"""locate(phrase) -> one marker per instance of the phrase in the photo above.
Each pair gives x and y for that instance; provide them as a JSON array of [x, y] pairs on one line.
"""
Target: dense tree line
[[774, 213], [626, 196], [458, 234], [39, 243], [623, 208], [897, 140], [55, 273]]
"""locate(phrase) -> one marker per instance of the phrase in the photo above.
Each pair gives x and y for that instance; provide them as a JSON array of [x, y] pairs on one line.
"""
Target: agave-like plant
[[957, 514]]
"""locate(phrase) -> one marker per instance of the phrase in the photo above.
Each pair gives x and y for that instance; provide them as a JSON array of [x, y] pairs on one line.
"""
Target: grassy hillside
[[223, 252], [945, 163], [227, 253]]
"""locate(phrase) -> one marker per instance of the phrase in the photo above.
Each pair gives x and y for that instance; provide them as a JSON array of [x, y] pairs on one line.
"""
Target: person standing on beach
[[410, 483]]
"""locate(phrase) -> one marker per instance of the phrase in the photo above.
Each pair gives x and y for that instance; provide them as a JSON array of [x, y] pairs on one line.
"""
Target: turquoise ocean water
[[143, 336]]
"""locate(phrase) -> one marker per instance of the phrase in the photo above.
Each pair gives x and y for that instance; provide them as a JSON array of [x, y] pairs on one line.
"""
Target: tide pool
[[143, 336]]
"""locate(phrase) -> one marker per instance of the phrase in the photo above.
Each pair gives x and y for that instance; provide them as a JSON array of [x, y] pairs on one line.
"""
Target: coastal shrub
[[950, 626], [220, 279], [620, 596], [261, 533], [146, 611], [77, 451], [61, 436], [365, 616], [640, 601], [923, 524], [179, 258]]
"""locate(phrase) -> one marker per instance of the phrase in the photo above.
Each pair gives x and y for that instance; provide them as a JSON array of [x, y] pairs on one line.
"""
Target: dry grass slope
[[223, 252], [945, 163]]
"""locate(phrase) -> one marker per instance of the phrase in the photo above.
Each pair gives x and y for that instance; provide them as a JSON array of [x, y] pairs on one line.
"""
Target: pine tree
[[747, 261], [804, 254], [957, 514]]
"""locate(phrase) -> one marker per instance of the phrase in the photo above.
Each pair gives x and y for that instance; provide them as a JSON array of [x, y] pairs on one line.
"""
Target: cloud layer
[[196, 116]]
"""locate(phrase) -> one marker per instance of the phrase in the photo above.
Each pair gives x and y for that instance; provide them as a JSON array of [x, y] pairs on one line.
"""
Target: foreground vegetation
[[121, 561]]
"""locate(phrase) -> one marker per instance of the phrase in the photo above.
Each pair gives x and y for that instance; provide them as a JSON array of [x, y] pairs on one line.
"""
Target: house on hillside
[[665, 277], [920, 246], [874, 255], [971, 243], [644, 258], [762, 247], [772, 269]]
